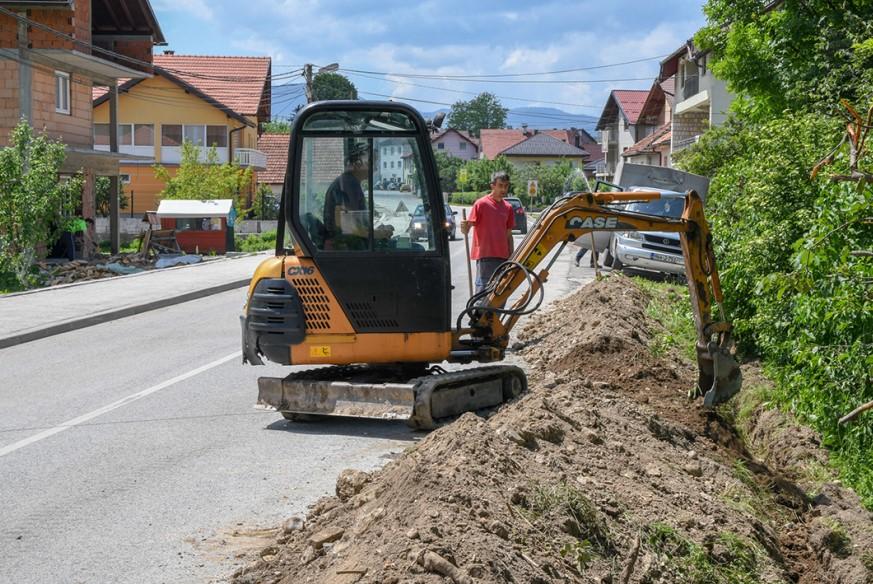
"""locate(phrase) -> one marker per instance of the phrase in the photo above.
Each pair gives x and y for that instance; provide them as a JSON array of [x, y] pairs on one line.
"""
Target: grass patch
[[670, 305], [746, 495], [730, 559], [575, 514]]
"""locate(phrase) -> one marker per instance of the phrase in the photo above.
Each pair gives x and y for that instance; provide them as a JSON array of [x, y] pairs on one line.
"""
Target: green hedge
[[795, 293], [256, 242]]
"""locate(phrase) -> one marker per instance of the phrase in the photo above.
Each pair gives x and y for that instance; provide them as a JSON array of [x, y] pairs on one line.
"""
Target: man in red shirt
[[492, 237]]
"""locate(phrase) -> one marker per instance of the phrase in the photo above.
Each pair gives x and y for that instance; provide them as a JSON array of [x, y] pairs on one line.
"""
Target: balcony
[[682, 144], [249, 157]]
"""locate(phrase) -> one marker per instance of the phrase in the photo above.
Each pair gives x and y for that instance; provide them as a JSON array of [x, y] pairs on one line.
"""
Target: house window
[[143, 135], [462, 146], [399, 164], [171, 135], [441, 146], [195, 134], [124, 178], [384, 164], [62, 92], [125, 134], [216, 136]]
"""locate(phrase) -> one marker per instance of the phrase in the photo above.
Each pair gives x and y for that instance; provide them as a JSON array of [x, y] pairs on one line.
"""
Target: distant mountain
[[287, 97], [540, 118]]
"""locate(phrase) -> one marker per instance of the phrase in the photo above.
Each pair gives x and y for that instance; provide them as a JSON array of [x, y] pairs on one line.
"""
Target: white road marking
[[115, 405]]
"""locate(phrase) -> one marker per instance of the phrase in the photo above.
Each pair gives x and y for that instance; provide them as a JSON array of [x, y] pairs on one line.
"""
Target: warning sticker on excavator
[[319, 351]]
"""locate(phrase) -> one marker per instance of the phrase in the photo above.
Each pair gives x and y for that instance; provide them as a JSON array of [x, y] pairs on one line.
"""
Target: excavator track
[[380, 392]]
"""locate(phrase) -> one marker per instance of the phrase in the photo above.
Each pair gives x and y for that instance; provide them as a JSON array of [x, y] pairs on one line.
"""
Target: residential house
[[275, 148], [493, 142], [618, 126], [455, 143], [655, 124], [544, 149], [210, 101], [701, 100], [52, 54]]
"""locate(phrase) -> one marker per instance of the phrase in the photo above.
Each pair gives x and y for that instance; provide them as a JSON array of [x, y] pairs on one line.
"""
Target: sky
[[373, 40]]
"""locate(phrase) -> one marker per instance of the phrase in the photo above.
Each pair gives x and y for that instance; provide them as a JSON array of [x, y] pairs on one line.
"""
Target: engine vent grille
[[316, 304], [365, 316]]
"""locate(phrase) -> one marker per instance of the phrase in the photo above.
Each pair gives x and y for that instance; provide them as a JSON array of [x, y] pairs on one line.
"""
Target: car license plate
[[660, 257]]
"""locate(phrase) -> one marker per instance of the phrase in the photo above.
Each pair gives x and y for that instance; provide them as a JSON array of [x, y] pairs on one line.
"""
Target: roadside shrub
[[256, 242], [794, 290]]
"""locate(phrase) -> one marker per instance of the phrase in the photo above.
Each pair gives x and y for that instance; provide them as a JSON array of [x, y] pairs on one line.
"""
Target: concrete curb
[[100, 318]]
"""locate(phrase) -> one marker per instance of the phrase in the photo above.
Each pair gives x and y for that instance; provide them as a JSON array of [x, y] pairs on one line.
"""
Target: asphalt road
[[132, 451]]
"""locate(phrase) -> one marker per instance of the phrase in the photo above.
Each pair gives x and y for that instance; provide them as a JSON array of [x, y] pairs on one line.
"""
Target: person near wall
[[492, 221]]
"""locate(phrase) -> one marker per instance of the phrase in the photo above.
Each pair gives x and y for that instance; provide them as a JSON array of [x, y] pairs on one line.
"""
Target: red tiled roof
[[275, 146], [238, 83], [650, 142], [631, 102], [493, 142]]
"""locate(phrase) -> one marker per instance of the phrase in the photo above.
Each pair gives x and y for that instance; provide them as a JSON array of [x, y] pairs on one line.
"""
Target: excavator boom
[[577, 214]]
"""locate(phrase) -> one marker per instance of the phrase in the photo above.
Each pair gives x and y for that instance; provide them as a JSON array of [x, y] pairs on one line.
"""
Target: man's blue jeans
[[485, 268]]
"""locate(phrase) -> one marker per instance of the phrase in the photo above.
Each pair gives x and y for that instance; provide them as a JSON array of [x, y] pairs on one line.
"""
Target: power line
[[473, 92], [501, 75]]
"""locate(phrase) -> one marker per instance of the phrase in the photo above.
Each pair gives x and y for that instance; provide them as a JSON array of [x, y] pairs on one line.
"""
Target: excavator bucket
[[719, 376]]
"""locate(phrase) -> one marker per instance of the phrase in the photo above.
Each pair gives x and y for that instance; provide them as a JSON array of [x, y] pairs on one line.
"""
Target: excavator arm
[[571, 217]]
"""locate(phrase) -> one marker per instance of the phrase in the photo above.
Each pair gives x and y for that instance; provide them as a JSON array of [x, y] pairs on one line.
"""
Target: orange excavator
[[352, 291]]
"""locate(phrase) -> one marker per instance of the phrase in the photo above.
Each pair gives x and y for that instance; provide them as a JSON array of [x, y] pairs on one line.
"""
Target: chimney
[[169, 52], [524, 130]]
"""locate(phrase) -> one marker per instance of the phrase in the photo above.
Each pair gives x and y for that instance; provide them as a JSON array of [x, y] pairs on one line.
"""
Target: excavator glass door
[[357, 173]]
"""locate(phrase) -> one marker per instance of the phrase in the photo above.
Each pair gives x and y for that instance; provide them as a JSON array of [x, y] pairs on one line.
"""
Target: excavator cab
[[357, 172]]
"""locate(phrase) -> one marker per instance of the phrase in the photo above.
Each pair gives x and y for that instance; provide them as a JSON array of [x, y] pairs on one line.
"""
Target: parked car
[[418, 225], [520, 215], [650, 250]]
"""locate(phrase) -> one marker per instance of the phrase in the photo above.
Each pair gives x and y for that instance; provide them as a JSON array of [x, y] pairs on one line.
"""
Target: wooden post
[[114, 219], [467, 248]]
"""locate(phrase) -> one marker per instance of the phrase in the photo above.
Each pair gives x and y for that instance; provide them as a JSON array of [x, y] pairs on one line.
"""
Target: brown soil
[[603, 472]]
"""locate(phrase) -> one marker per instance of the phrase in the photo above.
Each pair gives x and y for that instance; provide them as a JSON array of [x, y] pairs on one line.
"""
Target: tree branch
[[856, 412]]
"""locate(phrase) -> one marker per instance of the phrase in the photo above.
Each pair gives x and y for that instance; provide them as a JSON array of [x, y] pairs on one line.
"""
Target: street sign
[[533, 188]]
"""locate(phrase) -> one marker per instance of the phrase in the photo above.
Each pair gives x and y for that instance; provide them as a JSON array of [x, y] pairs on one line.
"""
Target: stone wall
[[688, 125]]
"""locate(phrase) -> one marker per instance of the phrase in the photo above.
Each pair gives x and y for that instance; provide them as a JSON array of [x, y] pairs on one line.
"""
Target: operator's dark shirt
[[344, 192]]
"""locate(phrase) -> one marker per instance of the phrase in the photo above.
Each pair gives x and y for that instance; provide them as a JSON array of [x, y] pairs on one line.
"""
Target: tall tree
[[327, 86], [483, 111]]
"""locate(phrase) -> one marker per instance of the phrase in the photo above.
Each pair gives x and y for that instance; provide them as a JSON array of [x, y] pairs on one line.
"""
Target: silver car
[[650, 250]]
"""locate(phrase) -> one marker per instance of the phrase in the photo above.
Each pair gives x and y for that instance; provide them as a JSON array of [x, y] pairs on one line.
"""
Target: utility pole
[[307, 75]]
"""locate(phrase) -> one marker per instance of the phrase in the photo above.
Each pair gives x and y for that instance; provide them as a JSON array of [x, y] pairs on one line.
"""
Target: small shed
[[201, 226]]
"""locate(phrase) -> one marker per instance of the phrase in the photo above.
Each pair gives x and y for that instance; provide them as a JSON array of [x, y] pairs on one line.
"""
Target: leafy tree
[[550, 180], [475, 175], [34, 202], [276, 127], [800, 55], [209, 179], [448, 167], [101, 195], [265, 206], [483, 111], [327, 86]]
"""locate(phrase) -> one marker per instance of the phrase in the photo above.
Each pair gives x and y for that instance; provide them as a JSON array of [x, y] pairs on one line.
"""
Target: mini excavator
[[350, 291]]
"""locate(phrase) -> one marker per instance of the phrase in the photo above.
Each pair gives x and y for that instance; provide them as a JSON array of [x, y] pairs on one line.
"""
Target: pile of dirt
[[603, 472]]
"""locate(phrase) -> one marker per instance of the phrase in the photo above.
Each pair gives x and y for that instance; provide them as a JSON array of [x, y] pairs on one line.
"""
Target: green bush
[[475, 175], [795, 293], [256, 242], [466, 198]]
